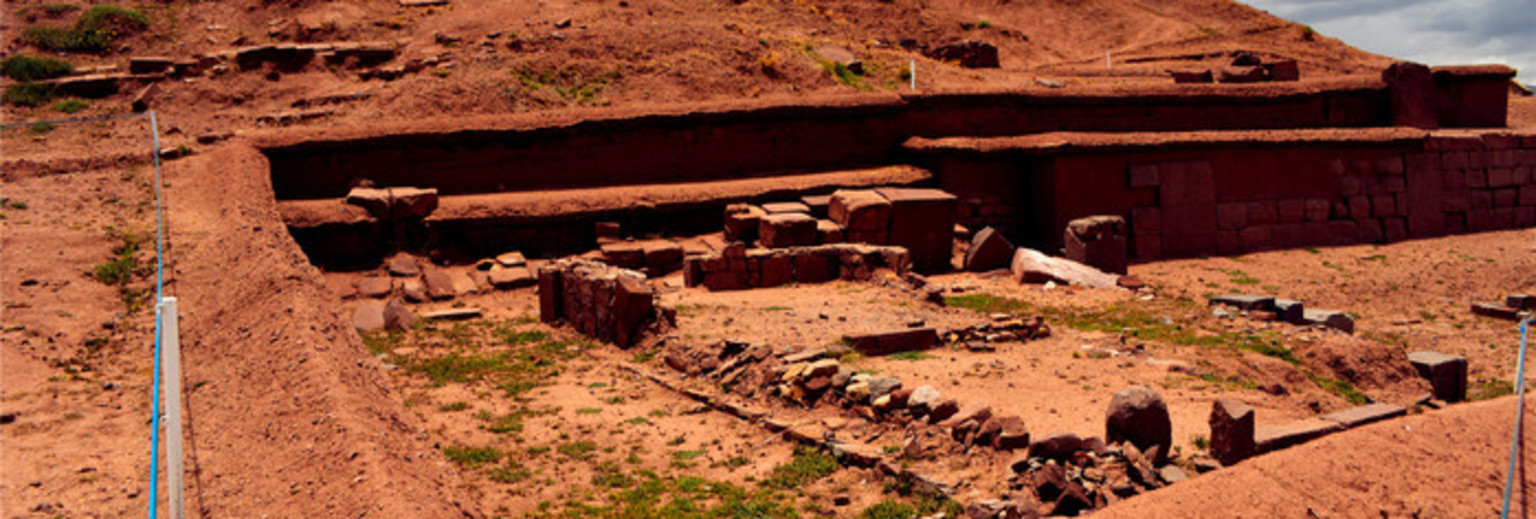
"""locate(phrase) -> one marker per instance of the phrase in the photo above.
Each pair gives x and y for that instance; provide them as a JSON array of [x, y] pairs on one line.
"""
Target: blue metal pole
[[154, 434], [1514, 441]]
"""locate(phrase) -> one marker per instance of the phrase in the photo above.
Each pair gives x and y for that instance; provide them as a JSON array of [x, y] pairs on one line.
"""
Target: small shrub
[[57, 9], [808, 465], [95, 31], [34, 68], [70, 106], [27, 94], [471, 457], [889, 509], [41, 128]]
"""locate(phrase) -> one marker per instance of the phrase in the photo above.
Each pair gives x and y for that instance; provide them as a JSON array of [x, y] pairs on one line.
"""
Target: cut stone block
[[1370, 413], [439, 284], [1276, 437], [860, 210], [828, 231], [882, 343], [551, 305], [989, 250], [1520, 302], [923, 221], [633, 302], [508, 278], [786, 207], [403, 266], [512, 259], [453, 314], [1032, 266], [786, 230], [1245, 302], [407, 203], [1138, 415], [741, 222], [374, 287], [1232, 431], [462, 283], [627, 255], [1333, 319], [662, 257], [818, 204], [1290, 311], [398, 317], [1496, 311], [1099, 242], [1446, 373], [368, 316]]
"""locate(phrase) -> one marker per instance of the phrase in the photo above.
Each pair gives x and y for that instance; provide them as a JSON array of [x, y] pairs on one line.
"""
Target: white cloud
[[1436, 32]]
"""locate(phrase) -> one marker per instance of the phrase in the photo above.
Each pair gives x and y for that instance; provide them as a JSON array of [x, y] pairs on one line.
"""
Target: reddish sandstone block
[[1148, 246], [1396, 229], [786, 230], [828, 231], [860, 210], [1343, 232], [1097, 241], [1455, 222], [812, 267], [1421, 162], [775, 269], [1453, 160], [1293, 210], [1371, 231], [1481, 199], [1528, 195], [1394, 184], [1477, 178], [1143, 175], [1359, 207], [1315, 233], [1458, 202], [1146, 220], [1392, 165], [1505, 197], [1255, 237], [1262, 212], [1383, 205], [1316, 210], [1501, 177], [1523, 175], [1400, 203], [1350, 186], [1525, 216], [1285, 235], [551, 303], [634, 303], [1228, 243], [923, 221], [742, 222], [1454, 179], [1232, 216]]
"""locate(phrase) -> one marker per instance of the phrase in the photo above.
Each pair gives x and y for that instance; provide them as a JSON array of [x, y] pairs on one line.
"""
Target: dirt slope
[[288, 412], [1447, 463]]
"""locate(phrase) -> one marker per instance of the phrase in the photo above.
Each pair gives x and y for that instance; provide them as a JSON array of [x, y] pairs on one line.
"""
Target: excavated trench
[[539, 183]]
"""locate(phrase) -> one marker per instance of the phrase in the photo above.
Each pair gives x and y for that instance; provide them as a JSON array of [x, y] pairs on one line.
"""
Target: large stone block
[[1276, 437], [634, 304], [860, 210], [1366, 414], [742, 221], [1412, 95], [1446, 373], [882, 343], [1138, 415], [1232, 431], [923, 221], [786, 230], [1099, 242], [811, 266], [551, 294], [989, 250], [1032, 266]]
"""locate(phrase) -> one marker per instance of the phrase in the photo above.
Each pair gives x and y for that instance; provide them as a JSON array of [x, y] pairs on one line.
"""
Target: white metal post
[[171, 388], [912, 74]]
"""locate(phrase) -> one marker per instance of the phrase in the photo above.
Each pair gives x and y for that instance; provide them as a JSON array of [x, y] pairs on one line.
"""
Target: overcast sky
[[1435, 32]]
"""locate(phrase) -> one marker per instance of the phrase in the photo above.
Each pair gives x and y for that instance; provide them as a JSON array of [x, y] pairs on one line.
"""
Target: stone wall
[[606, 303], [738, 267]]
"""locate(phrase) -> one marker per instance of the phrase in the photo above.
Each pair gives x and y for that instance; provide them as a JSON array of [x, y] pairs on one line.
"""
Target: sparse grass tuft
[[94, 32], [471, 457], [22, 67], [806, 466], [27, 94], [911, 356], [70, 106]]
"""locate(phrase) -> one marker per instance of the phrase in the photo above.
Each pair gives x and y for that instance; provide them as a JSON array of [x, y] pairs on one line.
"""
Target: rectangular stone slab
[[1365, 414], [1276, 437], [453, 314], [1446, 373], [1245, 301], [1496, 311], [883, 343]]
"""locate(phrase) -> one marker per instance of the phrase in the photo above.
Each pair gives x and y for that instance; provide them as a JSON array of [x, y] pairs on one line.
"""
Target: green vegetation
[[1138, 322], [455, 406], [807, 465], [41, 128], [889, 509], [27, 94], [1488, 389], [471, 457], [95, 31], [645, 495], [589, 410], [910, 355], [532, 359], [844, 74], [1308, 33], [22, 67], [776, 308], [576, 86], [123, 268], [581, 450], [1339, 387], [509, 473], [70, 106]]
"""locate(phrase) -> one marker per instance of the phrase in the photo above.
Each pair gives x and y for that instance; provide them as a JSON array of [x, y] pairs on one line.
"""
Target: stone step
[[1275, 437], [1366, 414]]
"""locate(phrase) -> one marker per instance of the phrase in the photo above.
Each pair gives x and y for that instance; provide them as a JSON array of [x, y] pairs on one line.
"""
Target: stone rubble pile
[[1266, 308], [607, 303], [737, 267], [922, 221]]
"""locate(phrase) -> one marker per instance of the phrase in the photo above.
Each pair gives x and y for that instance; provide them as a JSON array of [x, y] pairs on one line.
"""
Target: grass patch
[[1342, 388], [471, 457], [509, 473], [124, 268], [911, 355], [589, 410], [531, 359], [807, 466], [94, 31], [22, 67], [581, 450], [70, 106], [1136, 321], [776, 308], [27, 94], [381, 342], [455, 406], [889, 509], [1488, 389], [644, 494]]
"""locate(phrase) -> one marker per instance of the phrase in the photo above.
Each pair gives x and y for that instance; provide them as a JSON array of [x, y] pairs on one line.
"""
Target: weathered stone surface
[[374, 287], [662, 257], [1232, 430], [1446, 373], [1330, 318], [368, 316], [742, 221], [414, 290], [1496, 311], [1058, 447], [883, 386], [511, 259], [453, 314], [1098, 242], [411, 202], [942, 409], [968, 54], [374, 200], [862, 213], [817, 204], [1412, 95], [629, 255], [923, 397], [882, 343], [976, 412], [462, 283], [439, 284], [922, 221], [398, 317], [1138, 415], [786, 207], [1006, 432], [551, 304], [1276, 437], [828, 231], [841, 56], [1245, 302], [1172, 474], [786, 230], [403, 266], [508, 278], [1032, 266], [989, 250], [1001, 509], [1365, 414], [1290, 311]]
